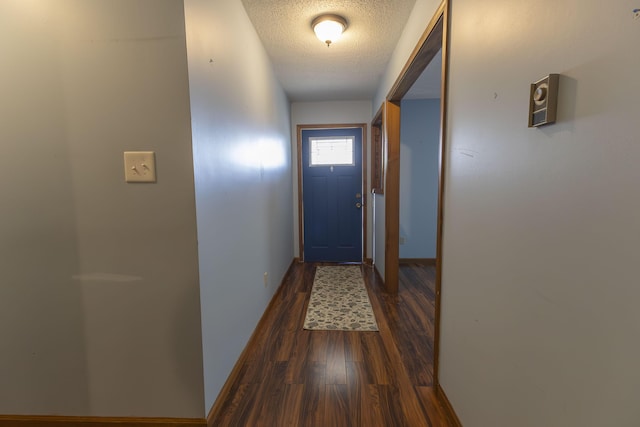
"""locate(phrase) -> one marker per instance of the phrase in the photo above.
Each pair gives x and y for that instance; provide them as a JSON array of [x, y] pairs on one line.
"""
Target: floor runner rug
[[339, 301]]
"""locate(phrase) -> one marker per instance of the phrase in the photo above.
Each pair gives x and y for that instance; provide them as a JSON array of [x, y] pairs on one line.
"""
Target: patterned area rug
[[339, 301]]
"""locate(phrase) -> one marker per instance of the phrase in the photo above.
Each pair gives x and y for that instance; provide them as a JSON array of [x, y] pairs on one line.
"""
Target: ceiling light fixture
[[329, 28]]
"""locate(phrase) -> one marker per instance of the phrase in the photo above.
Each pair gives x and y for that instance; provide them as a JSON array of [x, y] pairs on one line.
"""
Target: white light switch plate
[[139, 166]]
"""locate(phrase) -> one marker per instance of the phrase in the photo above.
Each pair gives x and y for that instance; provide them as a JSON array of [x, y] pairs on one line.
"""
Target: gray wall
[[541, 228], [242, 161], [419, 150], [99, 306]]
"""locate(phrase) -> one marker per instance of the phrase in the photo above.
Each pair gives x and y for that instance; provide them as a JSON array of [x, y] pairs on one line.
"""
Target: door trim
[[365, 199], [435, 36], [391, 140]]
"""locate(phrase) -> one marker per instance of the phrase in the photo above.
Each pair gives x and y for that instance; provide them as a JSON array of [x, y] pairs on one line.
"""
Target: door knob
[[358, 205]]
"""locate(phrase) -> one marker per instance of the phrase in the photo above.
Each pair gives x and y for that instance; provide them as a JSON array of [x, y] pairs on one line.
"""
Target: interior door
[[332, 194]]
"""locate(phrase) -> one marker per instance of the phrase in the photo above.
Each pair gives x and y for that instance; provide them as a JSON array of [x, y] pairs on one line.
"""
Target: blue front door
[[332, 194]]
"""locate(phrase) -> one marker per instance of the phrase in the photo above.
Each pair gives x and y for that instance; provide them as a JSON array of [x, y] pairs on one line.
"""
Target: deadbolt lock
[[358, 196]]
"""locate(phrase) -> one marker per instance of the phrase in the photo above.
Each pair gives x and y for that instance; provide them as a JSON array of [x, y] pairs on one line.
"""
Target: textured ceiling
[[350, 68]]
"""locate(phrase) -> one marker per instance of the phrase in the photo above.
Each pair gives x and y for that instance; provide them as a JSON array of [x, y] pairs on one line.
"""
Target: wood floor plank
[[336, 371], [254, 372], [352, 347], [336, 406], [391, 407], [313, 403], [355, 389], [298, 359], [363, 397], [357, 375], [295, 377], [271, 395], [371, 408], [417, 359], [437, 416], [296, 312], [319, 346], [375, 358], [290, 413], [238, 412], [413, 312], [284, 350]]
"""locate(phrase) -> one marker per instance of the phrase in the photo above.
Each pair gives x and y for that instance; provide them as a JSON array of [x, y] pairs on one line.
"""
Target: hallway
[[294, 377]]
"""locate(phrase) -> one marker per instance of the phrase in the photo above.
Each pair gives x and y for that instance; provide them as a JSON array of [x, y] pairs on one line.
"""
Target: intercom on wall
[[543, 101]]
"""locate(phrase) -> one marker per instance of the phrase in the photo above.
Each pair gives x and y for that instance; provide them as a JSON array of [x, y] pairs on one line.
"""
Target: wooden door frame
[[434, 38], [391, 162], [365, 201]]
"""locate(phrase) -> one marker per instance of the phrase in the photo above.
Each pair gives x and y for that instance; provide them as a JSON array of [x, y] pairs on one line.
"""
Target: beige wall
[[99, 301]]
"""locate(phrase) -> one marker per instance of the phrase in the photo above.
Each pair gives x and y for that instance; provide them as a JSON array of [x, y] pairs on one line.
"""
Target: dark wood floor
[[294, 377]]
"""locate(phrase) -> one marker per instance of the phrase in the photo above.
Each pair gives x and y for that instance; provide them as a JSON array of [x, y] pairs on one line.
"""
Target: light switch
[[139, 166]]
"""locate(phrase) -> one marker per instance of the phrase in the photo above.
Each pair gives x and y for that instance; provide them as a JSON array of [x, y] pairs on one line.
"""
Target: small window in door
[[332, 151]]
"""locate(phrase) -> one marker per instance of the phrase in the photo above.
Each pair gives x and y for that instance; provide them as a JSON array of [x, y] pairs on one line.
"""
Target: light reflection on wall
[[35, 11], [261, 154]]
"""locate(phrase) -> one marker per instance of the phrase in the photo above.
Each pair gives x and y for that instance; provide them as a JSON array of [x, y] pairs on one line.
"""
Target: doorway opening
[[432, 45]]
